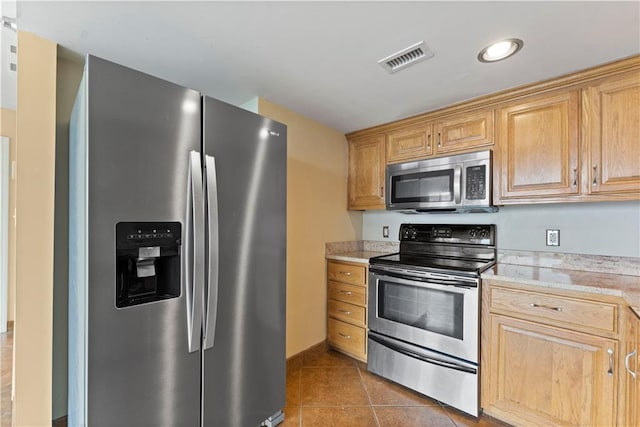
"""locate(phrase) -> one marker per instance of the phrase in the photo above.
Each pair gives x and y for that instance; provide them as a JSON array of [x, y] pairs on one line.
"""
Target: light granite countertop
[[595, 274], [355, 256], [359, 250], [617, 285]]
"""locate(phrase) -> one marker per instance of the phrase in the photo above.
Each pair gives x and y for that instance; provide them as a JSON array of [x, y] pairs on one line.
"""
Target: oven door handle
[[435, 281], [422, 357]]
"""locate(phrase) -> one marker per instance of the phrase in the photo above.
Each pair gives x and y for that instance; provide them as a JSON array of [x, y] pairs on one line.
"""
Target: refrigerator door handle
[[193, 266], [212, 217]]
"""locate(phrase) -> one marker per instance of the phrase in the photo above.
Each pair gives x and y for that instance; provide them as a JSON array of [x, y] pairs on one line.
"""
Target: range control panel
[[483, 234]]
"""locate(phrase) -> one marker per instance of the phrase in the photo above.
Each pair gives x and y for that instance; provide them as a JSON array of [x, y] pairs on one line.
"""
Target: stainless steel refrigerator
[[177, 256]]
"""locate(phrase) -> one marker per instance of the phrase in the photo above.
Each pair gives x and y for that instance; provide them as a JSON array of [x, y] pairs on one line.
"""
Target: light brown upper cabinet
[[575, 138], [366, 173], [611, 118], [409, 143], [464, 131], [539, 146]]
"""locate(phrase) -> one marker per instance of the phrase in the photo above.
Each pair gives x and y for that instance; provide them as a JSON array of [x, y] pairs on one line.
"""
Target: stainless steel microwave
[[460, 183]]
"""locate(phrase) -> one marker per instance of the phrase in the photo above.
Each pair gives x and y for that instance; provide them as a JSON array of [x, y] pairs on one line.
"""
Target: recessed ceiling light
[[500, 50]]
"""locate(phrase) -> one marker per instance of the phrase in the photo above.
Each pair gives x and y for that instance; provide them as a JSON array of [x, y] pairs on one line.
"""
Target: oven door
[[438, 312]]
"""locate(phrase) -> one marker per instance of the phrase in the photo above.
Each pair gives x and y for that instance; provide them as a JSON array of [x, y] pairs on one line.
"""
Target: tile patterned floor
[[326, 388], [6, 362]]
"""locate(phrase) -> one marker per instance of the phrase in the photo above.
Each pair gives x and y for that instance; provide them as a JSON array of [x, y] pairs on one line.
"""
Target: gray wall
[[611, 228]]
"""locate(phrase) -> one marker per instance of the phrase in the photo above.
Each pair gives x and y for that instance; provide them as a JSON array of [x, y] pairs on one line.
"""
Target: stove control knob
[[484, 233], [408, 233], [473, 233]]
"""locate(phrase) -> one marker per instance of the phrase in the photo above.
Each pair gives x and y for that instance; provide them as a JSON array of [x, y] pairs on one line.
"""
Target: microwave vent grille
[[408, 56]]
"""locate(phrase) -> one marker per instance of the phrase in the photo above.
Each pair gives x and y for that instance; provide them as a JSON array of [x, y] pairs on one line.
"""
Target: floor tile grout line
[[375, 417], [300, 395]]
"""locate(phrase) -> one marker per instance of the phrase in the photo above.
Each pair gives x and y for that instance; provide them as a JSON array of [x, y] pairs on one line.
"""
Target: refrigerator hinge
[[273, 420]]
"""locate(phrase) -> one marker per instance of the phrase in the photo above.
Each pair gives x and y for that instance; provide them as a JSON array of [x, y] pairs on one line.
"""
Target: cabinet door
[[410, 143], [612, 133], [366, 173], [539, 145], [541, 375], [464, 131]]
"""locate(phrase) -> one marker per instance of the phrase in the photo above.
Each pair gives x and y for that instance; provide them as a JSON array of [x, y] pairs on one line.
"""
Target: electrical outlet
[[385, 231], [553, 237]]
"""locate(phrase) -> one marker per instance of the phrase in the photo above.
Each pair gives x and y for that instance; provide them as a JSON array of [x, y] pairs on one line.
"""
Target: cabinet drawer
[[348, 293], [348, 273], [556, 310], [348, 338], [347, 312]]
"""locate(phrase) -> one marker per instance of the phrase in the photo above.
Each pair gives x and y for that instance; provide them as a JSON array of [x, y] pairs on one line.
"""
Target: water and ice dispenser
[[147, 262]]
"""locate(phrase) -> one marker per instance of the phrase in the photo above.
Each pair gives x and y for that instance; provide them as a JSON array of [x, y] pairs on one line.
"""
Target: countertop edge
[[616, 285], [361, 257]]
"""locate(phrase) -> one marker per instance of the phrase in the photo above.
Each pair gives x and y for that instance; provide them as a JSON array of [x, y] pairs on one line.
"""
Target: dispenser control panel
[[138, 232]]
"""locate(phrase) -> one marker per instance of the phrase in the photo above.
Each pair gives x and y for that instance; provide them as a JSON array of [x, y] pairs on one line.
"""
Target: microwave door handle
[[457, 173]]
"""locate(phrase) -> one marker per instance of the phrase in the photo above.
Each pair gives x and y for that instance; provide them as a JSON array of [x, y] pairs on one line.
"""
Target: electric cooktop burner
[[462, 248], [462, 265]]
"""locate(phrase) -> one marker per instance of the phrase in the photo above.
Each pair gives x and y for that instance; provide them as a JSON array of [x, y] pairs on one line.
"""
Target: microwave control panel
[[476, 183]]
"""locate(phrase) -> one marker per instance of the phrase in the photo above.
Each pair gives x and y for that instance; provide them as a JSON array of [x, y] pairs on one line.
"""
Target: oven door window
[[433, 310], [433, 186]]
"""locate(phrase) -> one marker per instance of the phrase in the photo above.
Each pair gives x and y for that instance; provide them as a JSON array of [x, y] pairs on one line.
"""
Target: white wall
[[611, 228]]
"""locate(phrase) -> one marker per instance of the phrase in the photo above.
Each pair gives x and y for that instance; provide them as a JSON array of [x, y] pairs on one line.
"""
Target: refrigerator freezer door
[[141, 130], [244, 371]]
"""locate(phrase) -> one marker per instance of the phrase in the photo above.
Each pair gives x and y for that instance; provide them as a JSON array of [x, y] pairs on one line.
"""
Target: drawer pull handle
[[610, 371], [346, 273], [595, 175], [534, 305], [348, 313], [346, 292], [344, 336], [575, 177], [626, 363]]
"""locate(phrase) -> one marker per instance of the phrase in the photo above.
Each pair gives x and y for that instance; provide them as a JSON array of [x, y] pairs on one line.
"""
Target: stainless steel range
[[424, 310]]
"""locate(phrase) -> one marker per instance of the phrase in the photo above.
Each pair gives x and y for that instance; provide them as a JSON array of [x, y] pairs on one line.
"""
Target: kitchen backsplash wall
[[611, 228]]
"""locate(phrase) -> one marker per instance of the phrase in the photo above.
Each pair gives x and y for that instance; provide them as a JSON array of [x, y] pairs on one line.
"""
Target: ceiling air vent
[[408, 56]]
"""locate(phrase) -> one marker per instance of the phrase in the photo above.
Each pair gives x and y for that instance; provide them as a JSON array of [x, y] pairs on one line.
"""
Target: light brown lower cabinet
[[347, 308], [555, 358], [541, 375]]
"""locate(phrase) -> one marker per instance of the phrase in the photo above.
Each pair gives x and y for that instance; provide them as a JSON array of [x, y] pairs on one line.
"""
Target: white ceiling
[[320, 58]]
